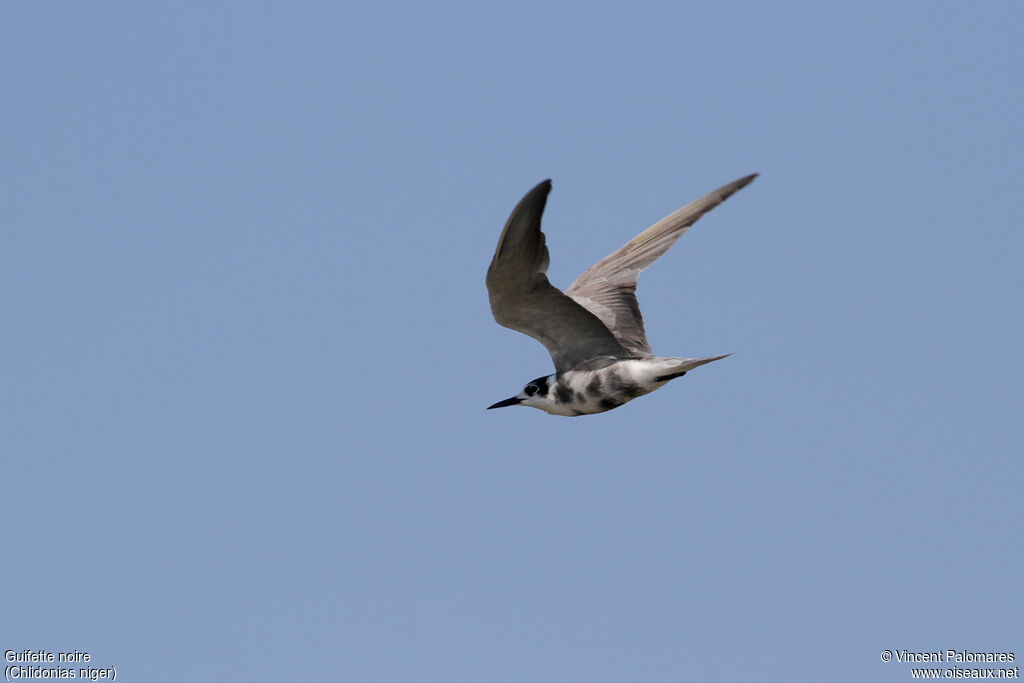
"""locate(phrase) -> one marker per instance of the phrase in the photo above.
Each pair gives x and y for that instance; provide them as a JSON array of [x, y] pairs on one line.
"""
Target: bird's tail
[[686, 364], [677, 367]]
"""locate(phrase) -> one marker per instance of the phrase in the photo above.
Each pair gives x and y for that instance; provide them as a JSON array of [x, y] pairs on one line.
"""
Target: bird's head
[[535, 394]]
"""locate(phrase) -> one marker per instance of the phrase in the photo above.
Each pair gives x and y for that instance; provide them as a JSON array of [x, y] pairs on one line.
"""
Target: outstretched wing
[[608, 288], [523, 299]]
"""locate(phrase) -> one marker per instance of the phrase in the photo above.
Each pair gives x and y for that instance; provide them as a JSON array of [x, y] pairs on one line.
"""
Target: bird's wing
[[608, 288], [524, 300]]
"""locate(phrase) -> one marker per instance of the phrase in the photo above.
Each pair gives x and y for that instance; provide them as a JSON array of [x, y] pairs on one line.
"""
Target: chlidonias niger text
[[594, 330]]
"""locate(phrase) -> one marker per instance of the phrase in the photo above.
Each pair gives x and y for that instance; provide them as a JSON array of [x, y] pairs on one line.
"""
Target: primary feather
[[608, 288]]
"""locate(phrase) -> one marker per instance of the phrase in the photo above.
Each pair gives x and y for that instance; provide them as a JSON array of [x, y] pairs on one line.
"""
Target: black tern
[[594, 330]]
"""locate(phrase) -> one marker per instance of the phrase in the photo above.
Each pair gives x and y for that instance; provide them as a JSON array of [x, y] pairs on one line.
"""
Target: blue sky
[[247, 346]]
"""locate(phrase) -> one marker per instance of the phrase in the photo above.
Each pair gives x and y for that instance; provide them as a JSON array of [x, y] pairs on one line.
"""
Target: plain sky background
[[246, 345]]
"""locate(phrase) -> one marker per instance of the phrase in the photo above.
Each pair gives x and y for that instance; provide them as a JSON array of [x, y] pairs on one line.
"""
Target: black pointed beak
[[514, 401]]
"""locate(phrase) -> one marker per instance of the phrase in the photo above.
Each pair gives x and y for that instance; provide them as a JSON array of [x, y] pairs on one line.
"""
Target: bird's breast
[[585, 392]]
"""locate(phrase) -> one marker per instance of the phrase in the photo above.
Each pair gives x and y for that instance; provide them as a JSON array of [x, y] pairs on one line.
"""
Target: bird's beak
[[514, 401]]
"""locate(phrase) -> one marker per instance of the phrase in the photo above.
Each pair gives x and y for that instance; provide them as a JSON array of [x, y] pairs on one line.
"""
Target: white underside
[[641, 374]]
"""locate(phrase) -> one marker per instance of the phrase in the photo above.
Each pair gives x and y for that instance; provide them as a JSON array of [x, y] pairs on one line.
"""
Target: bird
[[594, 330]]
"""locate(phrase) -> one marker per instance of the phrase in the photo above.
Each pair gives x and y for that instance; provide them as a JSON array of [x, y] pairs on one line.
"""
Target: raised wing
[[523, 299], [608, 288]]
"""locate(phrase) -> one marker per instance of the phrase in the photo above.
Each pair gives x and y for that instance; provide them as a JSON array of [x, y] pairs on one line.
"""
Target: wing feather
[[608, 288], [524, 300]]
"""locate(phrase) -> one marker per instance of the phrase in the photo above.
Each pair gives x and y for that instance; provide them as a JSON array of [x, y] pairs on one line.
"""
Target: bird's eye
[[531, 389]]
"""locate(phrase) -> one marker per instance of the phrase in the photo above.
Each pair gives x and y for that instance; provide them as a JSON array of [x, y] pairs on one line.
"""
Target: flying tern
[[594, 330]]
